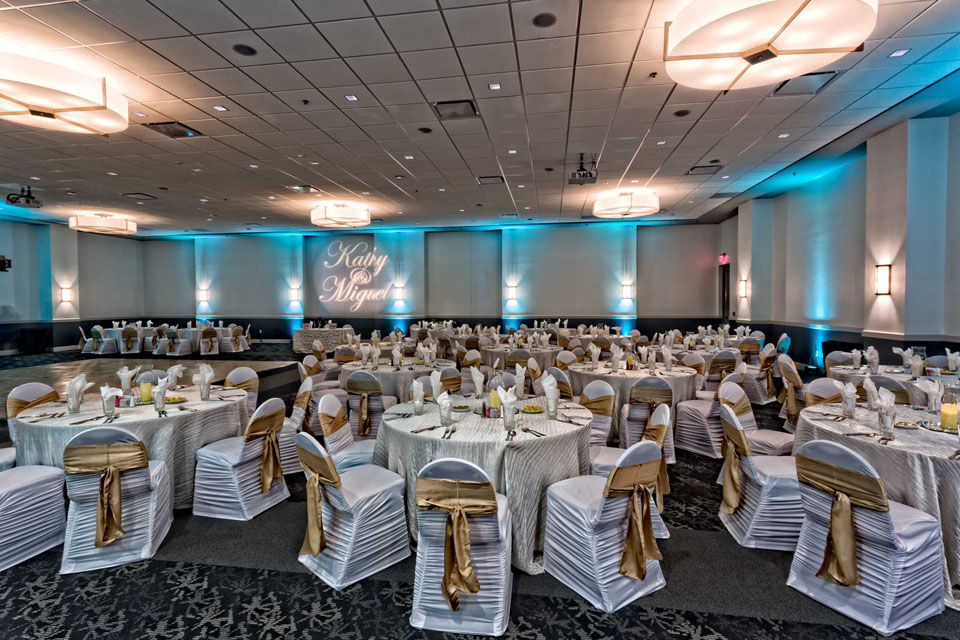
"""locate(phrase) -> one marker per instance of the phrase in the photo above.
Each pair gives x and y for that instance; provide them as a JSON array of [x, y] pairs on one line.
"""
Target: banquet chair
[[338, 438], [349, 329], [821, 391], [234, 342], [764, 442], [604, 345], [598, 396], [209, 342], [758, 380], [450, 380], [759, 336], [589, 522], [103, 532], [642, 341], [646, 394], [656, 429], [456, 500], [152, 338], [356, 525], [696, 362], [792, 393], [761, 497], [503, 379], [749, 349], [427, 388], [565, 359], [485, 341], [532, 380], [835, 358], [239, 478], [783, 343], [900, 393], [31, 510], [517, 356], [563, 381], [697, 427], [153, 376], [941, 362], [469, 359], [245, 339], [23, 397], [244, 378], [293, 425], [874, 560], [367, 403], [331, 369], [472, 343], [98, 344], [316, 370], [343, 355], [722, 364], [130, 339], [173, 345], [579, 353], [574, 344]]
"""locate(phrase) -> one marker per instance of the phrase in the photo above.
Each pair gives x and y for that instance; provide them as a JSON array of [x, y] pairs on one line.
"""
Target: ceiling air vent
[[139, 196], [509, 216], [805, 85], [455, 109], [304, 188], [490, 179], [704, 170], [726, 194], [173, 129]]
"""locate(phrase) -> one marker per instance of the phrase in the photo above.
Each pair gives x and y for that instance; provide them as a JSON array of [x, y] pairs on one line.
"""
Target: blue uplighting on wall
[[626, 323], [400, 321], [512, 322]]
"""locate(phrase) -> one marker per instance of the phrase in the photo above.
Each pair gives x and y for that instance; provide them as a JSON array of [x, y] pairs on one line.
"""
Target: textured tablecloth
[[914, 467], [174, 439], [394, 382], [846, 373], [545, 357], [522, 469], [587, 340], [330, 338]]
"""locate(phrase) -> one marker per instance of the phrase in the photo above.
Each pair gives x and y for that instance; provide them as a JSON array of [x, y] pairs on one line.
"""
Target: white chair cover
[[600, 425], [31, 513], [322, 378], [246, 377], [755, 379], [376, 405], [98, 344], [292, 426], [763, 442], [346, 451]]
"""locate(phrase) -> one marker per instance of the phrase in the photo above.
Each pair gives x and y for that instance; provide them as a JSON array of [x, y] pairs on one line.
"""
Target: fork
[[85, 421]]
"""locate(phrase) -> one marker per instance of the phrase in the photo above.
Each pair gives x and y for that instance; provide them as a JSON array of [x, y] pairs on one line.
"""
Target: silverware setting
[[448, 433], [423, 429], [511, 435], [955, 455], [86, 421], [110, 419], [866, 435], [182, 408], [161, 413]]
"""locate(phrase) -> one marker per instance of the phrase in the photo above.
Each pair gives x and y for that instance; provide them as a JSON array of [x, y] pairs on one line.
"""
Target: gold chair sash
[[459, 498], [451, 384], [319, 355], [812, 399], [208, 336], [364, 389], [563, 341], [513, 361], [108, 460], [741, 407], [766, 368], [640, 544], [15, 406], [95, 338], [320, 470], [237, 333], [302, 401], [696, 366], [564, 388], [651, 396], [599, 406], [562, 365], [791, 384], [848, 488], [735, 444], [331, 424], [315, 370], [267, 426], [128, 335], [473, 362], [749, 349], [658, 433], [344, 357], [251, 385], [722, 366]]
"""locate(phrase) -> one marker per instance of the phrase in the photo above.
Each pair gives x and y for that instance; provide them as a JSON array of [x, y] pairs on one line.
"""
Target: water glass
[[552, 407], [73, 405], [204, 391], [886, 420], [509, 417], [849, 404], [418, 407], [109, 406]]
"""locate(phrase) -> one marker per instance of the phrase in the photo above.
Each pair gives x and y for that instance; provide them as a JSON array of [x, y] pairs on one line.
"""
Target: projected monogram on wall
[[357, 266]]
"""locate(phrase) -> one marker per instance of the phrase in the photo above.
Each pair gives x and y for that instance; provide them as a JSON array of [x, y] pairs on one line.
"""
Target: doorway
[[724, 290]]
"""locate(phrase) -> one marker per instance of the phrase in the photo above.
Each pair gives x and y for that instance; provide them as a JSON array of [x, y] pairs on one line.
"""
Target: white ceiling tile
[[298, 42], [386, 67], [921, 75], [603, 76], [355, 37], [189, 53], [327, 73], [603, 48], [183, 85], [479, 25], [228, 81], [397, 93], [547, 102], [596, 99], [200, 17], [416, 31], [275, 13], [84, 26], [261, 103], [565, 11], [137, 17], [442, 89], [547, 80], [277, 77], [942, 17], [645, 96], [136, 57], [437, 63], [491, 58]]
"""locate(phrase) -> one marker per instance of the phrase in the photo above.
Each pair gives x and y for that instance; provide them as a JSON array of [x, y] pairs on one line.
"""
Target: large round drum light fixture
[[737, 44], [628, 203], [36, 93], [340, 215], [103, 223]]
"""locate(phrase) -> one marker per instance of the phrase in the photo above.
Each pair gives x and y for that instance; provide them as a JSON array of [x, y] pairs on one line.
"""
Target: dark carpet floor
[[241, 581]]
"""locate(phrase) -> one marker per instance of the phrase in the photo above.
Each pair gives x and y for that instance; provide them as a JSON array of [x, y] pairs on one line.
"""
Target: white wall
[[677, 271], [169, 277], [951, 310], [25, 294], [110, 276], [728, 235], [463, 273]]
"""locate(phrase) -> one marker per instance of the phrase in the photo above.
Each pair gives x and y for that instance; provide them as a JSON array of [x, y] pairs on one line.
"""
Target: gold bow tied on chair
[[735, 444], [108, 460], [364, 389], [791, 384], [459, 498], [15, 406], [766, 368], [320, 471], [640, 545], [267, 427]]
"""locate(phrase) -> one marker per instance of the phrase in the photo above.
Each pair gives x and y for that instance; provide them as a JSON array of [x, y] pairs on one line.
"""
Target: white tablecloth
[[330, 338], [545, 357], [846, 373], [395, 382], [914, 467], [174, 439], [522, 469]]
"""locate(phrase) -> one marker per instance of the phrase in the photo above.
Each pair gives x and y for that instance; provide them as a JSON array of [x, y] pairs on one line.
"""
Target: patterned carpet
[[241, 581]]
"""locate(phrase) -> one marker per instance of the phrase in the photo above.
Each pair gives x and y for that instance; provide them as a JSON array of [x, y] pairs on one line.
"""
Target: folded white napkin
[[139, 323], [873, 359], [507, 400], [642, 353], [885, 400], [520, 377], [904, 355], [107, 393], [916, 366], [416, 391], [667, 357], [594, 354], [435, 384], [848, 391], [205, 378], [549, 385], [126, 377], [375, 353], [76, 388], [871, 390], [189, 324], [443, 400], [933, 390], [397, 355], [221, 324], [953, 360], [173, 374], [160, 393], [857, 357], [477, 376], [616, 353], [116, 325]]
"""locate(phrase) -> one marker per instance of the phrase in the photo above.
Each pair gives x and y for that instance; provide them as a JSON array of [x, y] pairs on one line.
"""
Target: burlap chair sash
[[267, 427], [315, 370], [108, 460], [640, 545], [562, 365], [15, 406], [766, 368], [658, 433], [791, 385], [651, 396], [320, 471], [513, 361], [208, 336], [237, 333], [459, 498], [697, 366], [847, 488], [319, 355], [599, 406], [748, 349], [302, 401], [735, 444], [364, 389]]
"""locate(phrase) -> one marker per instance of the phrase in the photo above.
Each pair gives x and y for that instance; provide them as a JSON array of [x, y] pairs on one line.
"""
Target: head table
[[521, 468], [395, 381], [174, 439], [915, 467], [303, 338], [847, 373], [545, 356]]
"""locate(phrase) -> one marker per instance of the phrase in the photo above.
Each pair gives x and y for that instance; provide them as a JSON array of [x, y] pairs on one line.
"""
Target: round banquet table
[[330, 338], [545, 356], [706, 354], [521, 469], [587, 340], [846, 373], [174, 439], [915, 469], [395, 381]]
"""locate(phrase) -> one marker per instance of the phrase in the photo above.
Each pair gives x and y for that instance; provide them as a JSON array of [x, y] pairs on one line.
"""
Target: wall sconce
[[398, 292], [203, 295], [626, 292], [742, 288], [66, 295], [511, 292], [294, 295], [881, 286]]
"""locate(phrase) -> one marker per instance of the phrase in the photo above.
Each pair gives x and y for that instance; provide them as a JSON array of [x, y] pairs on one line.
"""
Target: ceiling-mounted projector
[[24, 199], [583, 175]]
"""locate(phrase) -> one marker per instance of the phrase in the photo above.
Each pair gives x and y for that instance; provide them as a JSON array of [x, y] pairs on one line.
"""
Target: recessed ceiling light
[[254, 166], [544, 20], [197, 170], [494, 86], [263, 217], [784, 135], [140, 114], [899, 53], [209, 219], [351, 98], [139, 203], [512, 151], [204, 200], [521, 186], [220, 107], [724, 177], [398, 177], [660, 143], [441, 189], [38, 177], [366, 193], [314, 162], [408, 157], [244, 49], [111, 173], [425, 130], [462, 210], [271, 197], [682, 113], [634, 181], [526, 208]]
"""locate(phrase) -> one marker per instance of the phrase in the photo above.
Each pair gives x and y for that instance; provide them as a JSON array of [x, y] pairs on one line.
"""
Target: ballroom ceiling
[[338, 95]]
